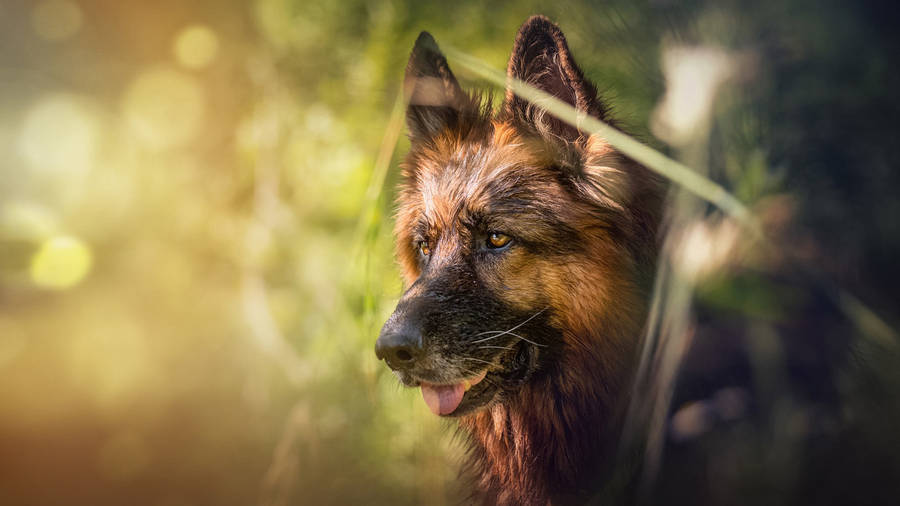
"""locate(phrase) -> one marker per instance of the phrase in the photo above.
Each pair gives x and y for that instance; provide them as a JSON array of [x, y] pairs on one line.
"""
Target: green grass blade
[[677, 172]]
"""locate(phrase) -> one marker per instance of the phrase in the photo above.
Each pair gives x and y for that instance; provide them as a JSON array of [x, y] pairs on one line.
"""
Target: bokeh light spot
[[59, 136], [195, 46], [693, 77], [60, 263], [56, 19], [164, 108]]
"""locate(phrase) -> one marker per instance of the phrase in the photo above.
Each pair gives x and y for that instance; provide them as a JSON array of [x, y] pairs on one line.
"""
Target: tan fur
[[593, 211]]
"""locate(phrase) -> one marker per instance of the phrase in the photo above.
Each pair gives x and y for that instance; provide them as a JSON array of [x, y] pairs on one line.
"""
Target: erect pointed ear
[[435, 97], [541, 58]]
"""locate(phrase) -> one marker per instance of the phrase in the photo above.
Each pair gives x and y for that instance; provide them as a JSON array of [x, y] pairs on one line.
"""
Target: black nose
[[399, 344]]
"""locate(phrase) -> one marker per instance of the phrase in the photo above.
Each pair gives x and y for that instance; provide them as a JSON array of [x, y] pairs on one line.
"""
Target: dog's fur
[[570, 287]]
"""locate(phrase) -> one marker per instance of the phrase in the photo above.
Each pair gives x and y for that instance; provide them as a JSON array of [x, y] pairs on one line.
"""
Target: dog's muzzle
[[400, 343]]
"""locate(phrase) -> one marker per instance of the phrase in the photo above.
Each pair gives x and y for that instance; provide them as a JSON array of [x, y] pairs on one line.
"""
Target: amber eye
[[424, 248], [498, 240]]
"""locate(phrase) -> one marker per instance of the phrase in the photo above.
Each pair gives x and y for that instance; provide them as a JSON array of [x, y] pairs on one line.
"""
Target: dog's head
[[518, 234]]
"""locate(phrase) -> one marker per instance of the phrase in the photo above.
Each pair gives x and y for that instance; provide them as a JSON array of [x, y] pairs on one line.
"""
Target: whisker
[[478, 360], [532, 317], [468, 371], [496, 347], [489, 332], [487, 338], [528, 340], [511, 334]]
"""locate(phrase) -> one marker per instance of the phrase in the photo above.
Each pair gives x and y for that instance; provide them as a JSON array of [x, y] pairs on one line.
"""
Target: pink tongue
[[442, 399]]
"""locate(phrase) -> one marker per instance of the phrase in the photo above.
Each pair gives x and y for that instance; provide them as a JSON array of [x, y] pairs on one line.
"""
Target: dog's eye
[[497, 240], [424, 248]]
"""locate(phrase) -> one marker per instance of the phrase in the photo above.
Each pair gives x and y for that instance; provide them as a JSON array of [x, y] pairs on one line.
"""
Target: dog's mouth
[[444, 399], [472, 393]]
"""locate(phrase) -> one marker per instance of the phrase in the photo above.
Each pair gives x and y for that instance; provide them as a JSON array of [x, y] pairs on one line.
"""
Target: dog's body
[[526, 245]]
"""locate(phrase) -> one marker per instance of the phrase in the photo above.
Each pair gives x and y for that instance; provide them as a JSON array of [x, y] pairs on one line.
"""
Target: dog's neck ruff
[[544, 444]]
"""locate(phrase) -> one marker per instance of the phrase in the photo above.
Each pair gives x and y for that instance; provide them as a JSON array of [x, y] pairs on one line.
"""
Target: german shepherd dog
[[527, 246]]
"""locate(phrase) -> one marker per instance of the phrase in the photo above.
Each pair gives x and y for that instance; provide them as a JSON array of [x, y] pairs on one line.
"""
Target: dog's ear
[[435, 97], [541, 58]]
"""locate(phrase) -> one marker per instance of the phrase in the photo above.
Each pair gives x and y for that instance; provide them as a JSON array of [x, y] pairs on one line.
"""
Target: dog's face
[[478, 234], [509, 230]]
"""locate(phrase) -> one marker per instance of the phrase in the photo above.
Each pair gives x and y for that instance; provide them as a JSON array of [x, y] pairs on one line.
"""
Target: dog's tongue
[[443, 399]]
